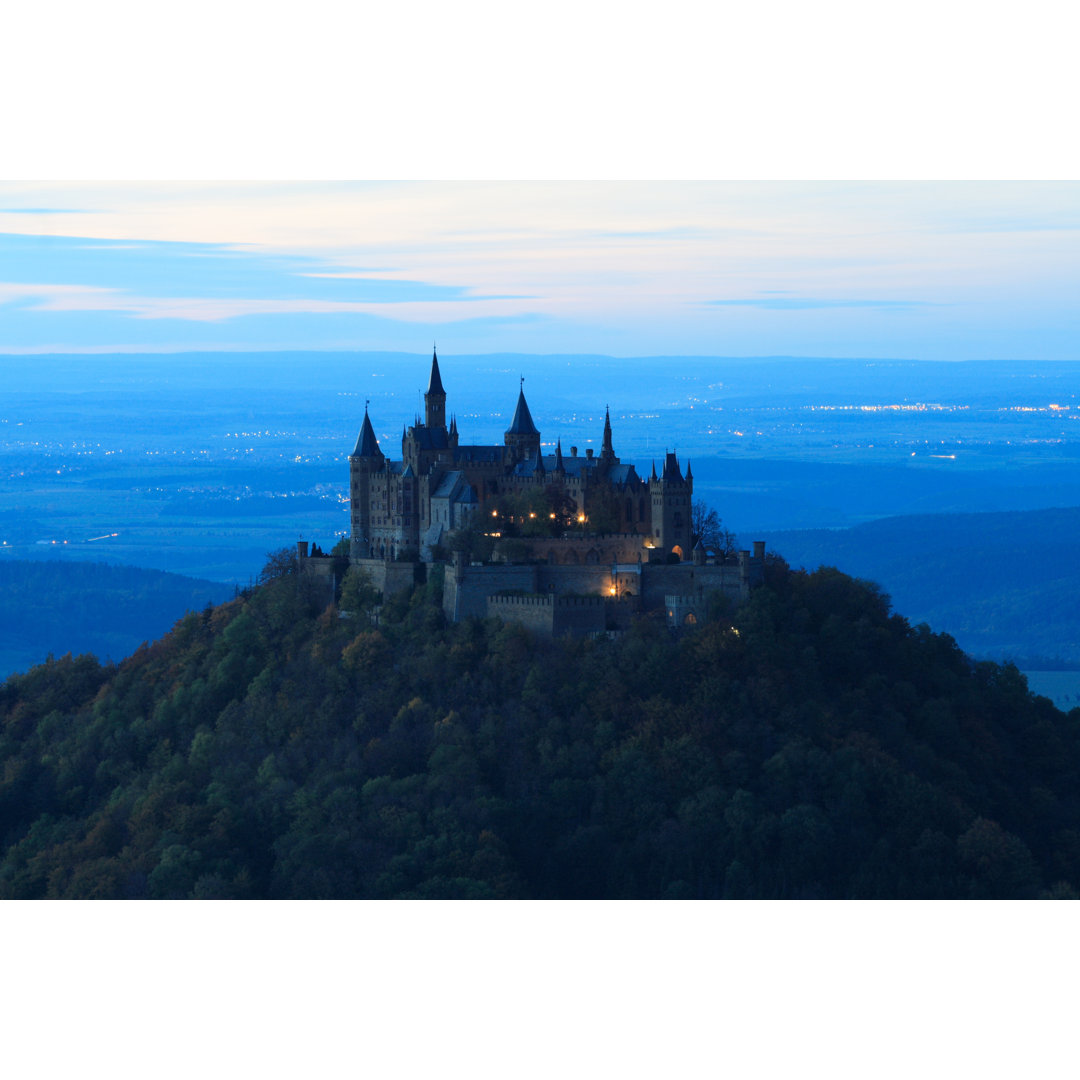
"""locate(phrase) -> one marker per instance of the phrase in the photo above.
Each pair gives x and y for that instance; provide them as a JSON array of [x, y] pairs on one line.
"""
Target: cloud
[[178, 269], [42, 210], [776, 303]]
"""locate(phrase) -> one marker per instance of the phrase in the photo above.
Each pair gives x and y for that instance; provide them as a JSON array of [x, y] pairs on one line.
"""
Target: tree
[[471, 541], [358, 592], [279, 564], [708, 529]]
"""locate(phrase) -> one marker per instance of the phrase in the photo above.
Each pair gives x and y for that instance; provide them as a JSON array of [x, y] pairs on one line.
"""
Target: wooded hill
[[810, 744]]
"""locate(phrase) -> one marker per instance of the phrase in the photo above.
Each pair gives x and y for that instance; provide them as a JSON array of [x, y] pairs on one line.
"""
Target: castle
[[441, 485], [561, 542]]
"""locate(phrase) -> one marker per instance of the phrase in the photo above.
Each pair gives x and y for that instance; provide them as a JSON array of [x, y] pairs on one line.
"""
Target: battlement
[[548, 600], [550, 615]]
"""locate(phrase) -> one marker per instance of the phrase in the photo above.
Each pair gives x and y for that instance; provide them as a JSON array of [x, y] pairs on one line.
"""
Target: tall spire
[[435, 382], [606, 451], [558, 456], [435, 398]]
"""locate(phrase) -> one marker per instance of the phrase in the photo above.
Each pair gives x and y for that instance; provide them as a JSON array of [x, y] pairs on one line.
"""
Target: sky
[[948, 270]]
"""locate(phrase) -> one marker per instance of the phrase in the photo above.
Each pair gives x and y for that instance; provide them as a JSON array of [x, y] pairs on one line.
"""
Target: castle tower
[[365, 460], [522, 436], [435, 398], [671, 495]]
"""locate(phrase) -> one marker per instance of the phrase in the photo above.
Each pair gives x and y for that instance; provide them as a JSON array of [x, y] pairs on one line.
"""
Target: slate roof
[[366, 443], [478, 453], [430, 438], [522, 424], [671, 468], [435, 382], [447, 484], [623, 474], [572, 466]]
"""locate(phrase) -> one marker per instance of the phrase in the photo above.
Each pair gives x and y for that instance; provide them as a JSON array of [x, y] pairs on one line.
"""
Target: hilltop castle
[[561, 542], [441, 484]]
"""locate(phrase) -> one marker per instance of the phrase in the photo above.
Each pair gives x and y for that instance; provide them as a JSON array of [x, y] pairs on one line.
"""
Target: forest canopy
[[810, 744]]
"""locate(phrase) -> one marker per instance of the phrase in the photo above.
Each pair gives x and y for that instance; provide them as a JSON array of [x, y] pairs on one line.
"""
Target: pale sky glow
[[951, 270]]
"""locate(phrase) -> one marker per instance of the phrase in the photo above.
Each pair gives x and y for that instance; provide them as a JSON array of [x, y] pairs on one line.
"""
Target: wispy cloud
[[210, 271], [43, 210], [778, 303]]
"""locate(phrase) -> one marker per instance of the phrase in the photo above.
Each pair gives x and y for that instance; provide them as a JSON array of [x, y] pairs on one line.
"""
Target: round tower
[[365, 460]]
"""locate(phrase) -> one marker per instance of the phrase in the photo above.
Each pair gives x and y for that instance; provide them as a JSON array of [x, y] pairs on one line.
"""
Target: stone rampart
[[635, 587], [388, 577], [466, 588], [553, 616]]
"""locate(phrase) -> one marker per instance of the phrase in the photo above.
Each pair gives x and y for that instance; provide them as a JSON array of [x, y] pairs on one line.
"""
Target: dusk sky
[[922, 270]]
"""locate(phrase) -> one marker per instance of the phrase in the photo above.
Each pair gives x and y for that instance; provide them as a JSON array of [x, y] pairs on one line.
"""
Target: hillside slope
[[809, 745]]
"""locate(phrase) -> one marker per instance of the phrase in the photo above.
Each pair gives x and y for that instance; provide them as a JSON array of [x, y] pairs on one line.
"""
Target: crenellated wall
[[553, 616], [466, 588]]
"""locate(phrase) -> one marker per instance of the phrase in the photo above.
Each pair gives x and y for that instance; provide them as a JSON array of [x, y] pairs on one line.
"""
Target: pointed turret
[[522, 424], [653, 477], [689, 474], [522, 437], [365, 461], [559, 467], [435, 398], [435, 385], [367, 446]]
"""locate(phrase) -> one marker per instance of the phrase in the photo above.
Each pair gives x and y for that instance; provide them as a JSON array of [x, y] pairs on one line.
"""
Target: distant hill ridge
[[1003, 584], [60, 607]]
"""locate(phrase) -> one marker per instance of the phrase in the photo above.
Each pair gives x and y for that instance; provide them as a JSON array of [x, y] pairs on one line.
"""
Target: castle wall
[[553, 616], [388, 577], [574, 580], [588, 550], [684, 579], [319, 569], [466, 588], [638, 586]]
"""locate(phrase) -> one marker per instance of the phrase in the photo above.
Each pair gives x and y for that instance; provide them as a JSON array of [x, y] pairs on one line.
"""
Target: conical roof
[[366, 443], [435, 382], [522, 423]]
